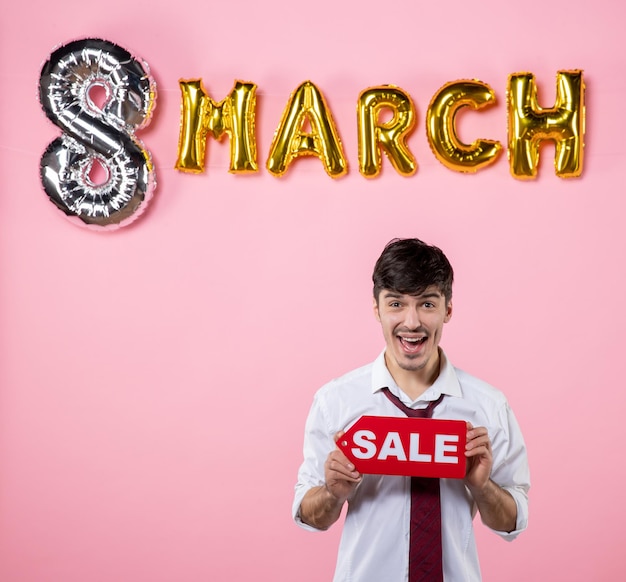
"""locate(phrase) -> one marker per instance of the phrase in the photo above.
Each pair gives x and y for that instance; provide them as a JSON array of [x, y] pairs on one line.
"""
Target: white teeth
[[413, 340]]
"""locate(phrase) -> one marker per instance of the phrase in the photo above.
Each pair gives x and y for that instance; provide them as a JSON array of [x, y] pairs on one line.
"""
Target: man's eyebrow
[[394, 295], [429, 295]]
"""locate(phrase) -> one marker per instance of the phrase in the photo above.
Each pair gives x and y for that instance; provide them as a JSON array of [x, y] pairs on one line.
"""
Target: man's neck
[[415, 382]]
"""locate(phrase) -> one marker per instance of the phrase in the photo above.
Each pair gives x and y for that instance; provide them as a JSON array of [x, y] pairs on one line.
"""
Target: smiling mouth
[[412, 344]]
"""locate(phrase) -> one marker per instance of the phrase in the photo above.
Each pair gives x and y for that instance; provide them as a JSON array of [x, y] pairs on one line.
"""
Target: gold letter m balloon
[[529, 125], [234, 116]]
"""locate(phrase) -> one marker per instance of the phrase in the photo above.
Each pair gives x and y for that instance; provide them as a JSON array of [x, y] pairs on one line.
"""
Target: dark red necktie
[[425, 563]]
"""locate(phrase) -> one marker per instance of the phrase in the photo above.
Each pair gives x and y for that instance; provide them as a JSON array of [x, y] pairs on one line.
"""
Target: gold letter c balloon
[[441, 128]]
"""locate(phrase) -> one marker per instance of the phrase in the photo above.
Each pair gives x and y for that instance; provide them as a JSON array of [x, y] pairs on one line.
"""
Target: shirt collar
[[446, 383]]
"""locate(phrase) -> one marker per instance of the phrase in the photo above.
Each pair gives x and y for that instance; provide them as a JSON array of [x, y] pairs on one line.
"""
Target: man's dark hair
[[409, 266]]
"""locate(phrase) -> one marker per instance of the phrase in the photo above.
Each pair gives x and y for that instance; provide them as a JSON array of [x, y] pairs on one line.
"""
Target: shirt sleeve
[[510, 469], [318, 443]]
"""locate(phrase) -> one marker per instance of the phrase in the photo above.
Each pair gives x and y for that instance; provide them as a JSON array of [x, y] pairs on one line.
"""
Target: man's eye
[[429, 305], [394, 304]]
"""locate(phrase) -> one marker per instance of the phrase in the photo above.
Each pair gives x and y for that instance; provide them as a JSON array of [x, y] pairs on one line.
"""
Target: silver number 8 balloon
[[97, 133]]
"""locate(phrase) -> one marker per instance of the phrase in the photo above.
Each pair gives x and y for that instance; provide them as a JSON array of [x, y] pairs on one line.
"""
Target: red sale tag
[[419, 447]]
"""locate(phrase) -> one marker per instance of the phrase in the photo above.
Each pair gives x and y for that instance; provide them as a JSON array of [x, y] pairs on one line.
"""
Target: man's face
[[412, 327]]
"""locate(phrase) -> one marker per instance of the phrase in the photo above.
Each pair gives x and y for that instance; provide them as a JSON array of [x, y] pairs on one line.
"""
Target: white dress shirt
[[374, 545]]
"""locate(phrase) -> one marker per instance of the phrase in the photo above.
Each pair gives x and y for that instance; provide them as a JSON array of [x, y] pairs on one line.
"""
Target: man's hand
[[496, 505], [479, 457], [321, 506], [340, 474]]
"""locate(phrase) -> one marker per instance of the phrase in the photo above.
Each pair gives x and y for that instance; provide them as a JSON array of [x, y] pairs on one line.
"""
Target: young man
[[412, 302]]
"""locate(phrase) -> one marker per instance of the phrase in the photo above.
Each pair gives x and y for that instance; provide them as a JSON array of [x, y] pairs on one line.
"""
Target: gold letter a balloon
[[291, 140]]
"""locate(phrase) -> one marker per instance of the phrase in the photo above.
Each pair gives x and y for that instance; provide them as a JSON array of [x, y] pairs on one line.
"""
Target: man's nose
[[412, 319]]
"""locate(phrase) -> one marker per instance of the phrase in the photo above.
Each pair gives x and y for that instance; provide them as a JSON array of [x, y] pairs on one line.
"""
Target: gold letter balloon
[[529, 124], [441, 127], [291, 140], [233, 116], [390, 136]]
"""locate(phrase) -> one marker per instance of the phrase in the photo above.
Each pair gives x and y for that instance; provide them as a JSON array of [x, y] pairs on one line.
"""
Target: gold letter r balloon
[[389, 135]]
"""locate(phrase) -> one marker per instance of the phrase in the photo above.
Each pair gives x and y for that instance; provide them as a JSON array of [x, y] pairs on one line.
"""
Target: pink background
[[155, 380]]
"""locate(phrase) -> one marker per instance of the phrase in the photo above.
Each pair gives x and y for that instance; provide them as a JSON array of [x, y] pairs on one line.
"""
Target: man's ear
[[448, 312], [375, 307]]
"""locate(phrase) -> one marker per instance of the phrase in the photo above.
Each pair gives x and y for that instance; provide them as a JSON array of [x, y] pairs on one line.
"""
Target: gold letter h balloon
[[529, 125]]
